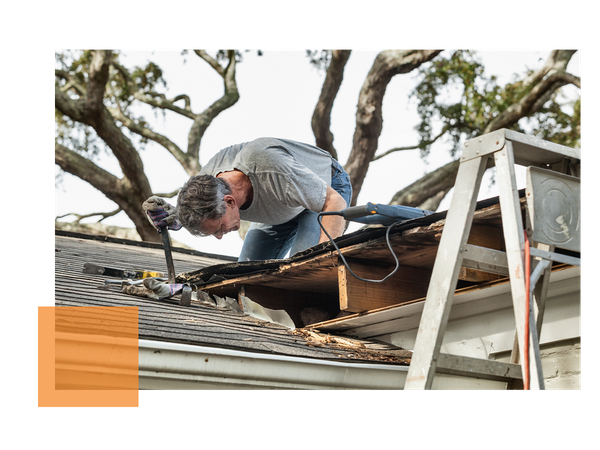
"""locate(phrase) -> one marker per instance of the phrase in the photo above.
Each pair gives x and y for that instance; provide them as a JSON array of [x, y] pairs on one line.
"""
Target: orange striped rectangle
[[88, 356]]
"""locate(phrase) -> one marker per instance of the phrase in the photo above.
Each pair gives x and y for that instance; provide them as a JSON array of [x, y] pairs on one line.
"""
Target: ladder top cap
[[528, 150]]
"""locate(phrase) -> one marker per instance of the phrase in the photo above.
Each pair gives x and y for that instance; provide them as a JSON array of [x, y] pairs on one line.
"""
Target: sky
[[278, 93]]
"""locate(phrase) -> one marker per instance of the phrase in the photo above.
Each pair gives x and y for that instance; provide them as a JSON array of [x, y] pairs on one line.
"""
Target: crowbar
[[186, 295], [169, 257]]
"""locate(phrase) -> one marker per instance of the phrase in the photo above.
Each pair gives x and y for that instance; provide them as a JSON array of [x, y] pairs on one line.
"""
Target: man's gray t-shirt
[[287, 177]]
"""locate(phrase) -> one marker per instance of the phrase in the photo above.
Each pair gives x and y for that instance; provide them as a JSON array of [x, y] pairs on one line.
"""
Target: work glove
[[154, 289], [161, 214]]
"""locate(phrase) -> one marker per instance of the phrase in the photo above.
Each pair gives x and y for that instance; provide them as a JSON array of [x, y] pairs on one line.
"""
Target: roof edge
[[114, 240], [162, 364]]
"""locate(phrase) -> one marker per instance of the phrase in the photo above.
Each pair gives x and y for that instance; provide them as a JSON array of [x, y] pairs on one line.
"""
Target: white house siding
[[561, 364]]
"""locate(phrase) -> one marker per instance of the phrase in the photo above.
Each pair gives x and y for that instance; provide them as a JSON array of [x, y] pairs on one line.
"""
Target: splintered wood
[[355, 348]]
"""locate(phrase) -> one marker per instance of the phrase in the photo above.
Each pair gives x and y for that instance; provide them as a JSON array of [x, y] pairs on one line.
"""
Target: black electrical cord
[[387, 237]]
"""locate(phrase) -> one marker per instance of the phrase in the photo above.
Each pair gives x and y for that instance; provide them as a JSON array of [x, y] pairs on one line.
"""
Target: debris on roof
[[371, 350]]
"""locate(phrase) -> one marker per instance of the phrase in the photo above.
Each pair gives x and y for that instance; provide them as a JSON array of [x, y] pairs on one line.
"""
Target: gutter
[[166, 365], [174, 366]]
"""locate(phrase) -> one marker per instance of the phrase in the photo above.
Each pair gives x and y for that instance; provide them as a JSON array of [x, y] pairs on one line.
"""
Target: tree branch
[[156, 99], [98, 76], [72, 82], [126, 194], [190, 158], [545, 81], [83, 168], [531, 103], [369, 120], [80, 217], [95, 114], [168, 194], [321, 119], [210, 60], [429, 191], [204, 119], [162, 103], [413, 147], [150, 134], [186, 98], [436, 183], [106, 215], [75, 109], [557, 61]]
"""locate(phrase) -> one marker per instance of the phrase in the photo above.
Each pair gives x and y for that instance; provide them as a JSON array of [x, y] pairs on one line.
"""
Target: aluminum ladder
[[553, 220]]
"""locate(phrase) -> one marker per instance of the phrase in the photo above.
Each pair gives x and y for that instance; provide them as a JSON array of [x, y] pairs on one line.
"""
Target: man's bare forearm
[[333, 224]]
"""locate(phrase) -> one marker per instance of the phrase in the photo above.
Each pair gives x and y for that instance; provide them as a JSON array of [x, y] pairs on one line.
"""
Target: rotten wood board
[[376, 351], [313, 275], [356, 295]]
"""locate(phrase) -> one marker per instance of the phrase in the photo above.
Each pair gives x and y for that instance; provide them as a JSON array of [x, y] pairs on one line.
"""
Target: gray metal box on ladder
[[552, 219]]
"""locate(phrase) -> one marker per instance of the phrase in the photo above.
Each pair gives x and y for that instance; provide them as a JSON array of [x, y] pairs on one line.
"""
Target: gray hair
[[201, 198]]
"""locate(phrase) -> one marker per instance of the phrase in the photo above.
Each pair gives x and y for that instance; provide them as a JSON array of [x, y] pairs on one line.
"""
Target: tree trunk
[[321, 119], [134, 188], [429, 191], [369, 120]]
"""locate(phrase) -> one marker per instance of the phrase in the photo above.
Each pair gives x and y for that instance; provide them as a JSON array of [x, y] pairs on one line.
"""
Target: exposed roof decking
[[319, 276]]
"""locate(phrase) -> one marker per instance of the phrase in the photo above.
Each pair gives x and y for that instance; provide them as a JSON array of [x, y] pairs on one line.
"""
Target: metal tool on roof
[[164, 232], [121, 273], [121, 283], [186, 295]]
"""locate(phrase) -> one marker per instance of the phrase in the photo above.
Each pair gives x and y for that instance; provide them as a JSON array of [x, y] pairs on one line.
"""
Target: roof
[[360, 313], [198, 324]]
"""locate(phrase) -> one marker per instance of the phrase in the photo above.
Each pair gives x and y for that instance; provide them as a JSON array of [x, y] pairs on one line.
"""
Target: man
[[277, 184]]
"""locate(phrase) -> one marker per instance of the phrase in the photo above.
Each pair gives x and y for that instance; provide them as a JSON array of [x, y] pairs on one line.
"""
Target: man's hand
[[333, 224], [161, 214]]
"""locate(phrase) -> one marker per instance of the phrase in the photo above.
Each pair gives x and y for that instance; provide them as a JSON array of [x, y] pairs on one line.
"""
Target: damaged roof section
[[203, 324], [319, 278]]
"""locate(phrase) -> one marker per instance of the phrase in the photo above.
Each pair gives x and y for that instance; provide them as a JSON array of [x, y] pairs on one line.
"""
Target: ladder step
[[485, 259], [478, 368], [565, 259]]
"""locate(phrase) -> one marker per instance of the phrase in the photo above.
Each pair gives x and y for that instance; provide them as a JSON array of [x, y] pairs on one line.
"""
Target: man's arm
[[333, 224]]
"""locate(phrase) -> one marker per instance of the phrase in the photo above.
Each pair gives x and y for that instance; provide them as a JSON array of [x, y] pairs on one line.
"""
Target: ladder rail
[[445, 275], [512, 225]]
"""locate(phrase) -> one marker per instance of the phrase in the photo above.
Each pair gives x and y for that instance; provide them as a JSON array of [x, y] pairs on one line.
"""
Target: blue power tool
[[376, 213]]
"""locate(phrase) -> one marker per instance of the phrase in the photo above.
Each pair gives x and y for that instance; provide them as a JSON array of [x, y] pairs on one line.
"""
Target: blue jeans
[[303, 231]]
